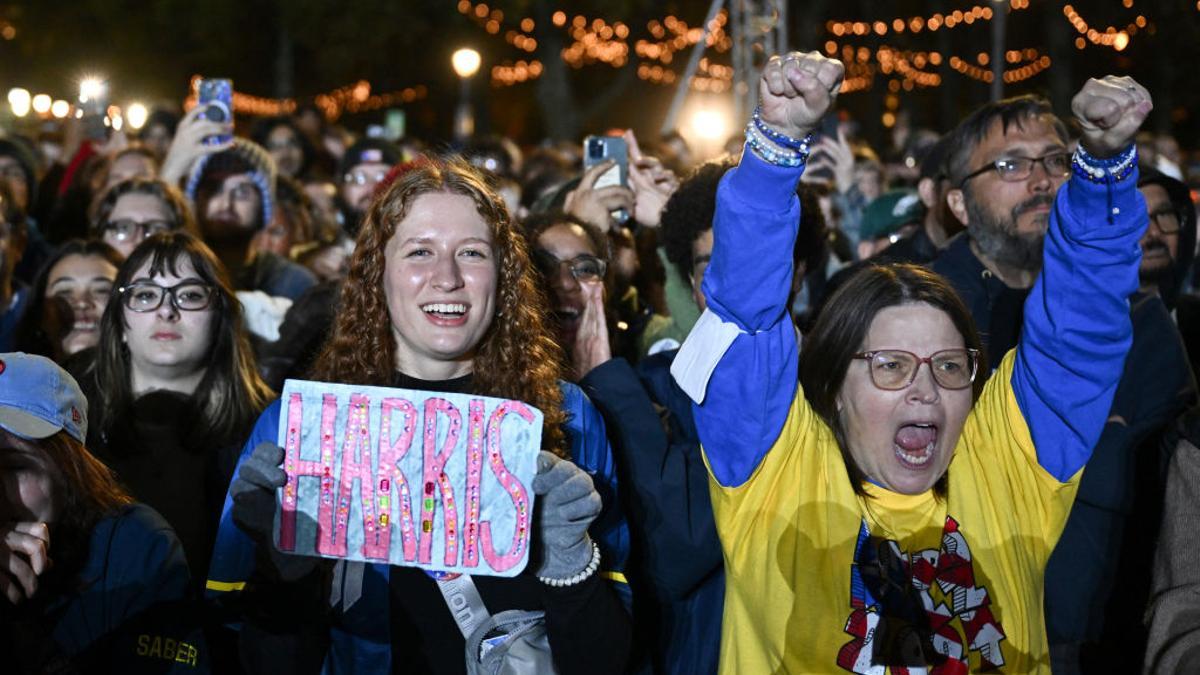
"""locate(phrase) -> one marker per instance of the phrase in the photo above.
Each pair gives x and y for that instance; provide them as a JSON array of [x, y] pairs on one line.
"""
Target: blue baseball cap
[[38, 399]]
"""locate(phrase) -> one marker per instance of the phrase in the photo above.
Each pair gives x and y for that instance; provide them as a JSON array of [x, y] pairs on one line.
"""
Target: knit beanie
[[368, 151], [243, 157]]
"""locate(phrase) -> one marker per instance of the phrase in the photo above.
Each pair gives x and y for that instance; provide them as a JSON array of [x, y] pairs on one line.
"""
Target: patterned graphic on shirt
[[911, 612]]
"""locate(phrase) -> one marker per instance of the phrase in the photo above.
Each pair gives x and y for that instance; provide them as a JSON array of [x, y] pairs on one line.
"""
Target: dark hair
[[232, 393], [162, 117], [842, 327], [538, 223], [1181, 199], [516, 358], [262, 129], [87, 492], [11, 212], [171, 197], [47, 320], [971, 131], [689, 213]]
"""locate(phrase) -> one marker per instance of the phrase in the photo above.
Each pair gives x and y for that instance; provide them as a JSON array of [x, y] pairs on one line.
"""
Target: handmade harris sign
[[423, 479]]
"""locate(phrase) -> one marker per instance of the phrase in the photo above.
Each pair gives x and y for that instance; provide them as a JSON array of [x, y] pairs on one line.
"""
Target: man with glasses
[[1006, 164], [362, 169], [234, 195]]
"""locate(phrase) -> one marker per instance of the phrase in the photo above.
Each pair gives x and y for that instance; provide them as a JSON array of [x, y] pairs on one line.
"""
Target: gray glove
[[568, 505], [253, 492]]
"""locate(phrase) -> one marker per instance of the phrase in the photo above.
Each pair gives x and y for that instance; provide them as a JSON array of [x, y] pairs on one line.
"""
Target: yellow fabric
[[224, 586], [789, 535]]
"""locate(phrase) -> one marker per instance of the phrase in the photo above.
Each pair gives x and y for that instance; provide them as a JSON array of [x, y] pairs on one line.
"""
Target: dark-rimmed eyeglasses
[[583, 267], [127, 229], [1013, 169], [893, 369], [188, 296], [1166, 220]]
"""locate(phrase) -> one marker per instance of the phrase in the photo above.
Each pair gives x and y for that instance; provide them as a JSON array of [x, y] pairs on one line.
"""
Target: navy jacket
[[678, 572]]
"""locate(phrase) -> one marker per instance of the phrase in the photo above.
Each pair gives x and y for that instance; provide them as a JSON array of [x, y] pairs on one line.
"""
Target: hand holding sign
[[253, 492], [436, 481], [569, 505]]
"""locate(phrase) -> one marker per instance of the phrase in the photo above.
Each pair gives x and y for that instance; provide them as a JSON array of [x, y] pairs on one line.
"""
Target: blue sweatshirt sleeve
[[1077, 327], [746, 284]]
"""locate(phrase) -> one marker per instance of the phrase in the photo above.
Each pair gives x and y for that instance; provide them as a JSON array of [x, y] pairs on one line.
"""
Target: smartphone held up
[[215, 97]]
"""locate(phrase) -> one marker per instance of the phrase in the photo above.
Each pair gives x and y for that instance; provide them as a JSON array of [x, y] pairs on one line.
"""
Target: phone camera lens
[[215, 113]]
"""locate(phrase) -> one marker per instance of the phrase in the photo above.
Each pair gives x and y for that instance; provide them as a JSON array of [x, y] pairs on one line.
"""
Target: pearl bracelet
[[800, 145], [1111, 170], [587, 572], [772, 153]]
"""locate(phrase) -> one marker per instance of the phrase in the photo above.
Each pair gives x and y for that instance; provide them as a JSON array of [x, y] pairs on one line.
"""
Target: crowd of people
[[745, 467]]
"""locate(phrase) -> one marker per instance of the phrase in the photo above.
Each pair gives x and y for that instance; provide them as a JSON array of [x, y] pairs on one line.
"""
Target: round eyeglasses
[[583, 267], [189, 296], [1013, 169], [893, 369]]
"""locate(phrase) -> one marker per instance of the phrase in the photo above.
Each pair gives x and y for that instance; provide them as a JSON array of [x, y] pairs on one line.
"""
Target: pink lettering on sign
[[475, 445], [297, 467], [391, 478], [373, 466], [512, 487], [434, 478]]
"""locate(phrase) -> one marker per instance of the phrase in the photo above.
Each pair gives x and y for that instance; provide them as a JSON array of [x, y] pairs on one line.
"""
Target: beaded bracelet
[[772, 153], [783, 140], [587, 572], [1111, 170]]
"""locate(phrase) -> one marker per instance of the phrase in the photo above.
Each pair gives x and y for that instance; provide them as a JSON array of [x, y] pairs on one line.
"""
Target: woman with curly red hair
[[441, 296]]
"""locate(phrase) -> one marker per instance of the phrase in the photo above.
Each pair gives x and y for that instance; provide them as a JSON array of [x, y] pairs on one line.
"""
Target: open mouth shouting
[[915, 443]]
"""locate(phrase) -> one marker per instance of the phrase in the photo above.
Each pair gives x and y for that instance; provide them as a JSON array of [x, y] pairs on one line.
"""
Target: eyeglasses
[[894, 369], [583, 267], [189, 296], [1013, 169], [1166, 220], [364, 177], [129, 230]]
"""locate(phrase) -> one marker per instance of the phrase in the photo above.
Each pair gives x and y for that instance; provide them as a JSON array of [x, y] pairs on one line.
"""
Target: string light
[[916, 24], [351, 98], [1113, 37]]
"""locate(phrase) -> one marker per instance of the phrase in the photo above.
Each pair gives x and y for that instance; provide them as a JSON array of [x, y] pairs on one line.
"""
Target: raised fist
[[1109, 111], [797, 90]]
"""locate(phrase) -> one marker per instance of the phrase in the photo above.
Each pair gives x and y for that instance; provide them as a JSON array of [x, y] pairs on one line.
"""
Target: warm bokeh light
[[41, 104], [710, 124], [18, 100], [466, 62], [60, 108], [136, 115]]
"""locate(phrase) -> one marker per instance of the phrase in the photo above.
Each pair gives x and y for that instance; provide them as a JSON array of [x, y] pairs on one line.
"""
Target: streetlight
[[18, 100], [466, 63]]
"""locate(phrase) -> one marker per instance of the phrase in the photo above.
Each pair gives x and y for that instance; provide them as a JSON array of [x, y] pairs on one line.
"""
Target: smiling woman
[[441, 295], [69, 296]]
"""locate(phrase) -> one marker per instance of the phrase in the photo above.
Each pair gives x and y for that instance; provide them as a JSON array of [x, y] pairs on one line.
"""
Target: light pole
[[466, 63], [999, 18]]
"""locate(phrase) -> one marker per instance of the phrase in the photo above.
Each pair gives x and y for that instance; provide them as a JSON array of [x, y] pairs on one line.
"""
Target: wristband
[[1106, 171], [587, 572], [800, 145]]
